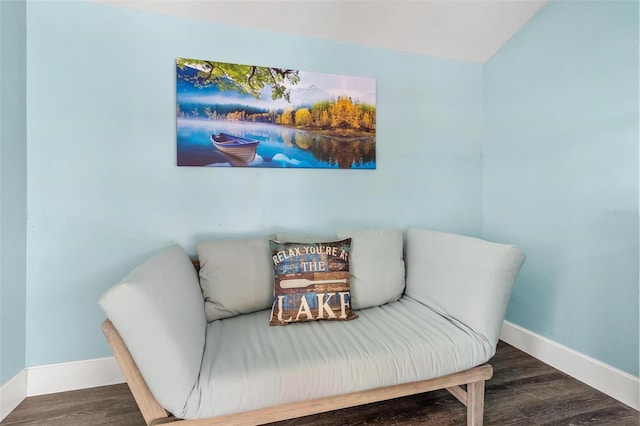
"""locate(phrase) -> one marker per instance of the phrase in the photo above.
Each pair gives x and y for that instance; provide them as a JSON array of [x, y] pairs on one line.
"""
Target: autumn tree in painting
[[287, 117], [343, 114], [303, 117], [320, 114]]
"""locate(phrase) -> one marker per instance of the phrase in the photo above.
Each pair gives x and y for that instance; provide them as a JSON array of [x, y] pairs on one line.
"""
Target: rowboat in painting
[[235, 146]]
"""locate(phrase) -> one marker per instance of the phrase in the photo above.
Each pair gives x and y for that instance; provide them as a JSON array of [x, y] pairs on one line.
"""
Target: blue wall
[[561, 174], [104, 191], [13, 188]]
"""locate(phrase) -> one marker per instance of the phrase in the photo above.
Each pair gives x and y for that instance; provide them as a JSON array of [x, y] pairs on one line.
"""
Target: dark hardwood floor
[[523, 391]]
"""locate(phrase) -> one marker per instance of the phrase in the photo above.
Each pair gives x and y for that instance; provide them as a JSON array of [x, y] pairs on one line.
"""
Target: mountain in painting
[[306, 96]]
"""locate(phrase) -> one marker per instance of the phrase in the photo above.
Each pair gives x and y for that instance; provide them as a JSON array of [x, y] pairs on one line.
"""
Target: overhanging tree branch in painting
[[246, 79]]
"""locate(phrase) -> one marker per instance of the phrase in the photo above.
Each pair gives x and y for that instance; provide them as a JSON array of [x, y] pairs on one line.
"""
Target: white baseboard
[[607, 379], [69, 376], [13, 393]]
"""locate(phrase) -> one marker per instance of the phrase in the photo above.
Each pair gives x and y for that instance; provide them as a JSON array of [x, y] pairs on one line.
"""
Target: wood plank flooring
[[523, 391]]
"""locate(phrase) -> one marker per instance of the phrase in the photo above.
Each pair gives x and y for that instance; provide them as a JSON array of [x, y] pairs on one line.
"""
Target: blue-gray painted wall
[[561, 174], [13, 188], [104, 190]]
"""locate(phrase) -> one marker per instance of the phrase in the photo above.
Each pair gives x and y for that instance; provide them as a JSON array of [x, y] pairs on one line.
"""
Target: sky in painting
[[339, 85]]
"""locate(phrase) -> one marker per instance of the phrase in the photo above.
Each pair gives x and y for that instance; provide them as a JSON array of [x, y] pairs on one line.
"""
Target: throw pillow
[[311, 281], [235, 276], [377, 266]]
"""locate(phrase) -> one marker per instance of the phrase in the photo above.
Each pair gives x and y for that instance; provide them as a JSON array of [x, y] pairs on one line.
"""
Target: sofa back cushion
[[466, 278], [236, 276], [377, 266], [158, 311]]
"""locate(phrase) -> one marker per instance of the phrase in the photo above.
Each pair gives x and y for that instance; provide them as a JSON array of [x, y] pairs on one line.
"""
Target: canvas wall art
[[234, 115]]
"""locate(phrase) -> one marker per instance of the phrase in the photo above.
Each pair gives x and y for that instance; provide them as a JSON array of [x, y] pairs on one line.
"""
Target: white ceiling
[[469, 30]]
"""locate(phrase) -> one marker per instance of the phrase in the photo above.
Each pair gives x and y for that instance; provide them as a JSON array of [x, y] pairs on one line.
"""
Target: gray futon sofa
[[196, 347]]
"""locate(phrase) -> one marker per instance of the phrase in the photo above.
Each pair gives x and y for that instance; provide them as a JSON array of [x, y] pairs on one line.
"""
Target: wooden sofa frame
[[155, 414]]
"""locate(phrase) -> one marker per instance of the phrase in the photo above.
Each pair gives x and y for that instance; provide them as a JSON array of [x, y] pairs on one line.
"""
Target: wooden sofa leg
[[475, 403]]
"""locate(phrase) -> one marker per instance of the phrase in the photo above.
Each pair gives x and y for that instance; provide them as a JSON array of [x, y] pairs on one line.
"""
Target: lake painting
[[233, 115]]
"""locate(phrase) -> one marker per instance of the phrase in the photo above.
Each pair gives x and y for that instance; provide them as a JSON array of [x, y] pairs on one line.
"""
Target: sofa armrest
[[158, 310], [467, 279]]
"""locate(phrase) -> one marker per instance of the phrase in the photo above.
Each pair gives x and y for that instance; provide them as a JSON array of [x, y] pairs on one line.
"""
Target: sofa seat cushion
[[248, 365]]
